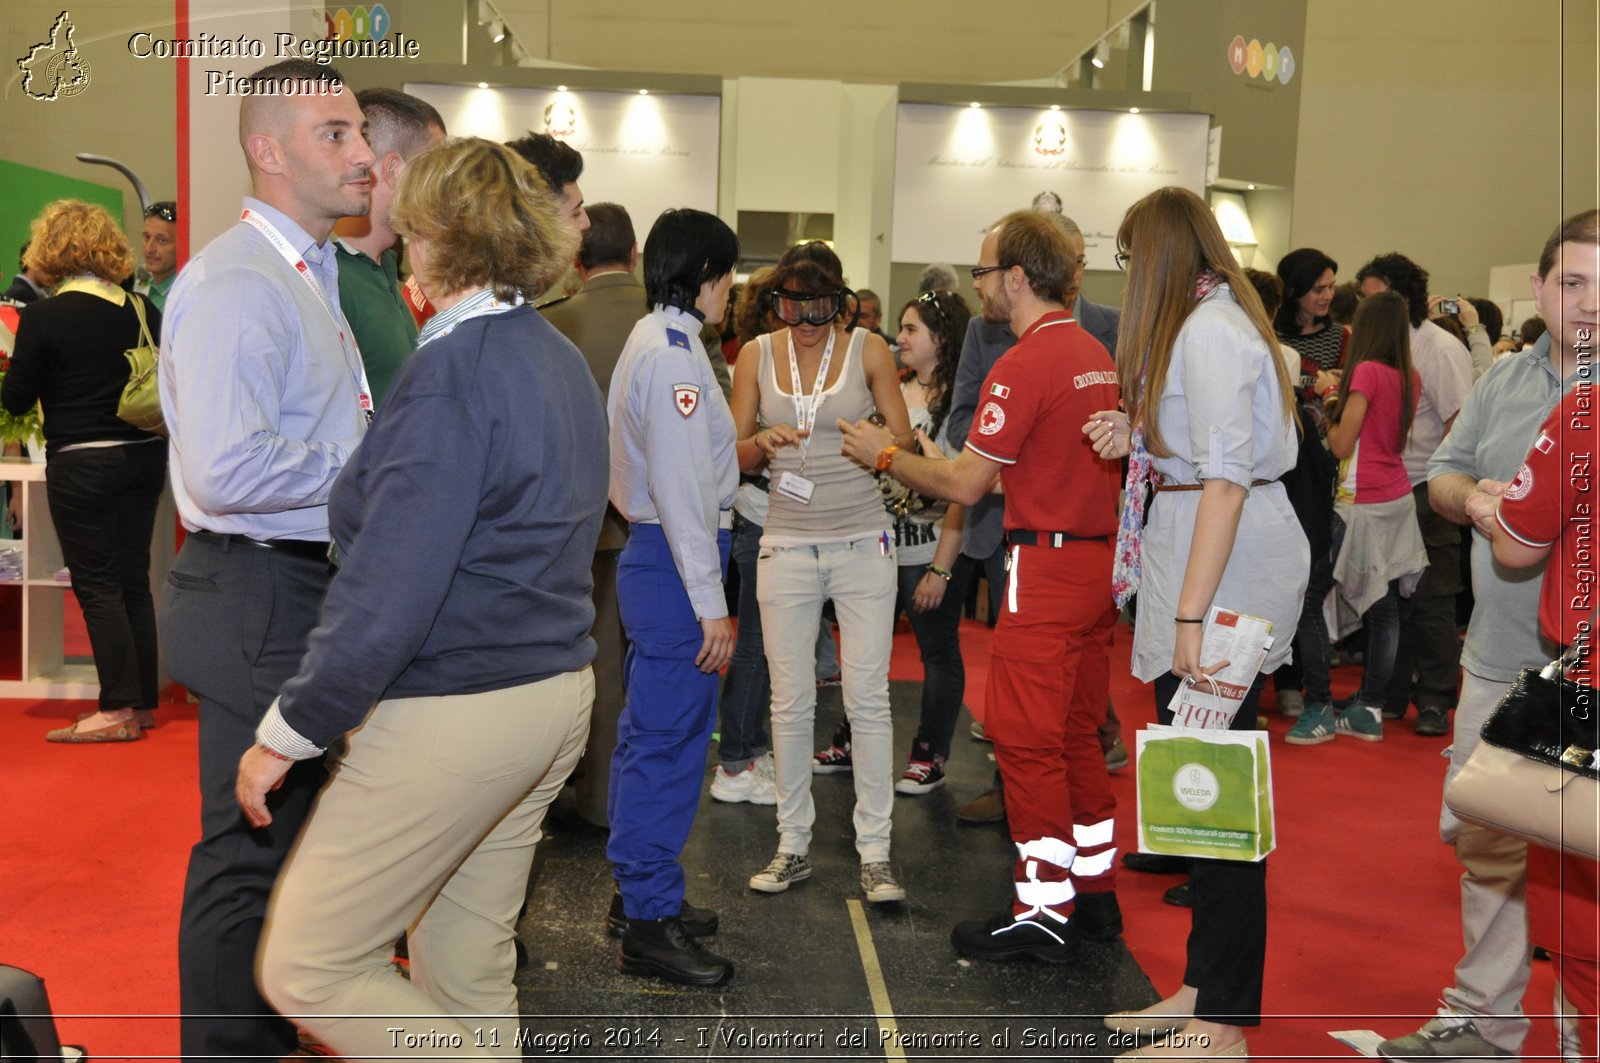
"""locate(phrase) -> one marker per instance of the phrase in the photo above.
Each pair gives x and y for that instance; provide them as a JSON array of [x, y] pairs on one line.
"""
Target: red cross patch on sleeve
[[686, 397]]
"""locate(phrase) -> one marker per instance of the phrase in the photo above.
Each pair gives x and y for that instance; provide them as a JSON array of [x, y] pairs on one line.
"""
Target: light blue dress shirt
[[673, 460], [259, 392]]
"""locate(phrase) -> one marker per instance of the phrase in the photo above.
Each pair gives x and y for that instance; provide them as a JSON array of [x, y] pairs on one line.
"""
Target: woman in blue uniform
[[674, 471]]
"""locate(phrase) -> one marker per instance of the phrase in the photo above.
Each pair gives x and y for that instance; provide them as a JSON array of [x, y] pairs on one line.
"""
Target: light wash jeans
[[794, 581]]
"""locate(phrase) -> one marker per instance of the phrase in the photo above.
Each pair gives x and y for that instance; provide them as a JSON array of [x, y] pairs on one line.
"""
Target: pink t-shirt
[[1375, 472]]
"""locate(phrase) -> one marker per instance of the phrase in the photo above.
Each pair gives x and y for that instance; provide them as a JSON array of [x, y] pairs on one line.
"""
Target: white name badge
[[793, 485]]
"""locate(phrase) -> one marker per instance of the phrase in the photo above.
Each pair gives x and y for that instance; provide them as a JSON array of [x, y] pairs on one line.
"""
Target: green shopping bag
[[1205, 793]]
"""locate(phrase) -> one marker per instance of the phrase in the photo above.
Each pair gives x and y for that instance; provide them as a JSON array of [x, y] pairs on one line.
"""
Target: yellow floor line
[[875, 984]]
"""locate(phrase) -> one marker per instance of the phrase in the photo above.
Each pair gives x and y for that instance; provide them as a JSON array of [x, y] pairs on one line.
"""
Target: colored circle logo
[[1252, 61], [1269, 62], [1285, 65], [1236, 55], [1196, 787]]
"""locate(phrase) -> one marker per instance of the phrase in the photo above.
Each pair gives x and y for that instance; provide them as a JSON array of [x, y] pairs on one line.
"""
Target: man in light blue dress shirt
[[265, 396]]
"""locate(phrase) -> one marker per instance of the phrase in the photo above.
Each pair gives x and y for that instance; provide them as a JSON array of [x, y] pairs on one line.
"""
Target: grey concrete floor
[[819, 974]]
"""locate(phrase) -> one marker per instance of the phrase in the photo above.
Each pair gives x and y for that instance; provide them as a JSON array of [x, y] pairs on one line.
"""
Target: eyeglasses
[[1122, 260], [164, 211], [930, 300], [978, 271]]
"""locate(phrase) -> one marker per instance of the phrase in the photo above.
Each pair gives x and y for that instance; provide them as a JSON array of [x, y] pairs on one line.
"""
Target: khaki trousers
[[428, 826], [1493, 970]]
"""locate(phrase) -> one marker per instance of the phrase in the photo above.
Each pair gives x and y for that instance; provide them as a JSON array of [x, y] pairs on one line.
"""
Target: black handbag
[[1535, 773]]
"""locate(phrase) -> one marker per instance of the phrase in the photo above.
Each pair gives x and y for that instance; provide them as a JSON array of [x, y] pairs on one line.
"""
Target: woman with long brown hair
[[1211, 424], [1376, 552]]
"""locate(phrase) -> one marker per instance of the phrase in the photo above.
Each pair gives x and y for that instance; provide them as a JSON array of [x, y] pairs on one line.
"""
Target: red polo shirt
[[1551, 502], [1030, 418]]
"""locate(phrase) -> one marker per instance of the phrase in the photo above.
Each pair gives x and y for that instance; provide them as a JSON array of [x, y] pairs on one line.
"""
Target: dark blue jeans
[[1311, 636], [944, 673], [747, 692]]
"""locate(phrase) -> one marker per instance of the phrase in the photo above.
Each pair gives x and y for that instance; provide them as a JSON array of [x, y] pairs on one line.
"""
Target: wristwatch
[[886, 456]]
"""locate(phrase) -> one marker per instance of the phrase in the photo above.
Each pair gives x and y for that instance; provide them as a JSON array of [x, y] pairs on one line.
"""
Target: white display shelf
[[46, 670]]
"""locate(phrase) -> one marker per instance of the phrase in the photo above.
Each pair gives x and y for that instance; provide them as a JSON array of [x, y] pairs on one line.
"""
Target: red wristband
[[269, 751]]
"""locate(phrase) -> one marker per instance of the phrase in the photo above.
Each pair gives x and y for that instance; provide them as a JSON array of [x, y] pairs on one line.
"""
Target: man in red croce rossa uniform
[[1050, 676]]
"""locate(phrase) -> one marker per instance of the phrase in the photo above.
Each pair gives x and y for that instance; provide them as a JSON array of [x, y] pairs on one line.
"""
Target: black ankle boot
[[1096, 917], [697, 922], [659, 948]]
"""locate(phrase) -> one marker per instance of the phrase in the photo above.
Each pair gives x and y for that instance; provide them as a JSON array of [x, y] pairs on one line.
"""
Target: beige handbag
[[1535, 774]]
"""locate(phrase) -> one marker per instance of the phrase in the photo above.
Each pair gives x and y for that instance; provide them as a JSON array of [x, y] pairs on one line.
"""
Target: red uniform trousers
[[1048, 686]]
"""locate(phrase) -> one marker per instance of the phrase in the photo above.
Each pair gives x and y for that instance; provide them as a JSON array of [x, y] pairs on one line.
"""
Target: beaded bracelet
[[942, 573]]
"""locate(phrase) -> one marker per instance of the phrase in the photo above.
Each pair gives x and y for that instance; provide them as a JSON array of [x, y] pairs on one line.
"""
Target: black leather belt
[[311, 549], [760, 483], [1054, 540]]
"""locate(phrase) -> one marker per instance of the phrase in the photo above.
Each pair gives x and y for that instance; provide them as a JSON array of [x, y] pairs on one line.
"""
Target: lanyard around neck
[[357, 368], [806, 410]]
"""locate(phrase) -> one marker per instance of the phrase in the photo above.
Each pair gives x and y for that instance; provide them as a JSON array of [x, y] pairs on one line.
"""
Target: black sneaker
[[1005, 938], [836, 757], [924, 771], [1432, 722]]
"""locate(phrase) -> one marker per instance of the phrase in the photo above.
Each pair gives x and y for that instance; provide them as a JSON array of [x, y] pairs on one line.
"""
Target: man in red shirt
[[1050, 676]]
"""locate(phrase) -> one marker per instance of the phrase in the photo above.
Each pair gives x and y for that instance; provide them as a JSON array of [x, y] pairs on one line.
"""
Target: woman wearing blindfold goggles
[[827, 536]]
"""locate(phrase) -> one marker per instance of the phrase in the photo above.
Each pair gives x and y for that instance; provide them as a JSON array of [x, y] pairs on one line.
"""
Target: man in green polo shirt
[[399, 126], [160, 236]]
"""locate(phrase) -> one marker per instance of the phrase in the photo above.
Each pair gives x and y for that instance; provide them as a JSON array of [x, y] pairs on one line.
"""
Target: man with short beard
[[1050, 677], [160, 235], [266, 397]]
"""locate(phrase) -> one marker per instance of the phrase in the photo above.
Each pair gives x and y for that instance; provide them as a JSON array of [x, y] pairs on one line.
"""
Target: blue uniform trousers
[[660, 759]]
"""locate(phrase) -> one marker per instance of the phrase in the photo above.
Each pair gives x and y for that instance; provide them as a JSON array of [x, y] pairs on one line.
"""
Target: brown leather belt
[[1198, 487]]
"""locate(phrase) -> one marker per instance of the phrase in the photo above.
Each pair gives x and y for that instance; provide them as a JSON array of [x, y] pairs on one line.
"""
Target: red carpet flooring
[[1364, 916]]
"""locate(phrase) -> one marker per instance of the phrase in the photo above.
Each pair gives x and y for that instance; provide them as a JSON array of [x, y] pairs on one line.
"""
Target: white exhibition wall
[[647, 153], [959, 169]]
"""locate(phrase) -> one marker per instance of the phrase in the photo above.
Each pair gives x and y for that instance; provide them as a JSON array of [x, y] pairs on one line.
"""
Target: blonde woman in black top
[[105, 476]]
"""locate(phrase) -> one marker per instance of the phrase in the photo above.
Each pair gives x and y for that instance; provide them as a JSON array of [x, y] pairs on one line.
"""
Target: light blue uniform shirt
[[1489, 439], [673, 461], [261, 397]]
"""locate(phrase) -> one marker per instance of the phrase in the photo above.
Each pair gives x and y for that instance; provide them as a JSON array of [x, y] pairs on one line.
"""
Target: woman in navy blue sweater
[[453, 653]]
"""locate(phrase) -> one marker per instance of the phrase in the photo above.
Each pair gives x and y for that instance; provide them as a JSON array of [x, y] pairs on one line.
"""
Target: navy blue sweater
[[467, 522]]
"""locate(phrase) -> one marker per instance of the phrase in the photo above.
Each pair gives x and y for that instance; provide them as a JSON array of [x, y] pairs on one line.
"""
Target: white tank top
[[846, 504]]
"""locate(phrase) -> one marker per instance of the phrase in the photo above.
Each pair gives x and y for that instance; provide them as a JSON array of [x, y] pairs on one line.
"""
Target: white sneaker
[[784, 870], [755, 785], [878, 883]]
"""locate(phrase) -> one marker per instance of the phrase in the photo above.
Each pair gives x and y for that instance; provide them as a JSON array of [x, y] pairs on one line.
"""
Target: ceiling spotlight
[[1102, 52], [1133, 110], [644, 92], [497, 31], [1099, 64], [561, 88], [483, 84], [1250, 188], [974, 104], [1055, 107]]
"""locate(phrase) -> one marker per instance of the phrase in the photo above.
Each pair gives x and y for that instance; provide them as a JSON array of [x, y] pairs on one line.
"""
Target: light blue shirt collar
[[476, 305]]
